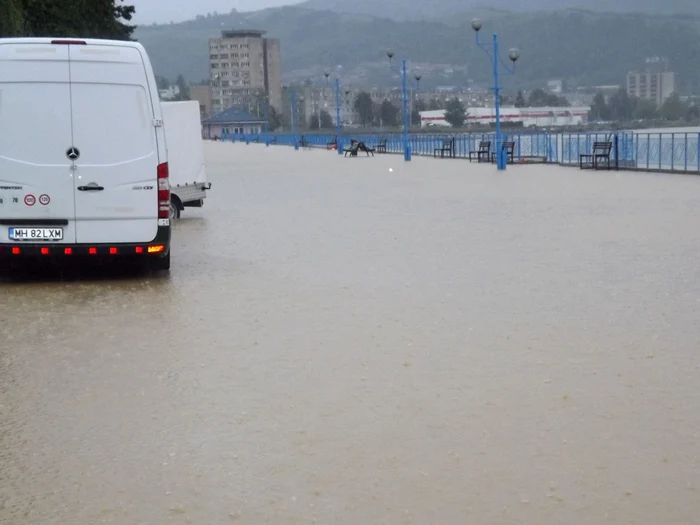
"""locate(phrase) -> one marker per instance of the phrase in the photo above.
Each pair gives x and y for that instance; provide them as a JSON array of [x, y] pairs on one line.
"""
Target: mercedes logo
[[73, 153]]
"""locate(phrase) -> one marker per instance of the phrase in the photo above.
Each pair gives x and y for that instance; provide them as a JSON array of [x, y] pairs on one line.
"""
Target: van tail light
[[163, 191], [67, 42]]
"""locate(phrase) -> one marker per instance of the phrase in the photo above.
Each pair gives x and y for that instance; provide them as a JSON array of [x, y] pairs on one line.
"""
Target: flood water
[[338, 343]]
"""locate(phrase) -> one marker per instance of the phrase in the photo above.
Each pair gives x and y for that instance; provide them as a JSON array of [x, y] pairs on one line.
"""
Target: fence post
[[673, 151]]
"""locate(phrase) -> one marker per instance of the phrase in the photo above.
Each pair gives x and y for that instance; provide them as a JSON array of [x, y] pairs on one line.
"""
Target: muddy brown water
[[338, 343]]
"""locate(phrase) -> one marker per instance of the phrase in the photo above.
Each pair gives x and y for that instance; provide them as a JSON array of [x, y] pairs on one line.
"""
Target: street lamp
[[294, 102], [513, 55], [404, 97], [326, 74], [337, 107]]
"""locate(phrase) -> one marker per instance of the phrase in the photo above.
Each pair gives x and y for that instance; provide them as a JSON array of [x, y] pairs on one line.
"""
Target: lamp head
[[514, 54], [477, 25], [326, 73], [390, 53]]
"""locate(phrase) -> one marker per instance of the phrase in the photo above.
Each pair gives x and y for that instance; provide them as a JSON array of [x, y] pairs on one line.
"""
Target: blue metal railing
[[645, 151]]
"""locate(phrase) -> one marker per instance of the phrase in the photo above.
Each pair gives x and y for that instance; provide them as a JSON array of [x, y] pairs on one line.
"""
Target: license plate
[[36, 234]]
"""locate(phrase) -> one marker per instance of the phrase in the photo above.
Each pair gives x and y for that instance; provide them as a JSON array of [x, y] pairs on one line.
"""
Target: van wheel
[[160, 264], [174, 209]]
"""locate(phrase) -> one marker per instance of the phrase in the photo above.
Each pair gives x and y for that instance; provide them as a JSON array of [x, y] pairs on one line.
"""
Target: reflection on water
[[338, 343]]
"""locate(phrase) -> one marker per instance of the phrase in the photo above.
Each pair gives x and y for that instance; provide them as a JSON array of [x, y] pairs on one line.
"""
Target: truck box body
[[183, 134]]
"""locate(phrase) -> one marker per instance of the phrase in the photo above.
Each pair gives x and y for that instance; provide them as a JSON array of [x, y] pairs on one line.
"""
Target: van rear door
[[36, 185], [116, 186]]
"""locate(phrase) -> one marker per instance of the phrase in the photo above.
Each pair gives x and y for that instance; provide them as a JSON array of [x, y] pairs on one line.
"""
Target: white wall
[[545, 116]]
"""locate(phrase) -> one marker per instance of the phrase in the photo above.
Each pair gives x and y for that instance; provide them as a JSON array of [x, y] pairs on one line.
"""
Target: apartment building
[[652, 84], [244, 67]]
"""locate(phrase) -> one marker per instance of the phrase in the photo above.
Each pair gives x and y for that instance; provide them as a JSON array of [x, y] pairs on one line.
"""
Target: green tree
[[673, 108], [692, 114], [520, 101], [537, 98], [455, 113], [388, 113], [621, 106], [644, 110], [434, 104], [599, 108], [274, 119], [364, 108], [183, 88], [418, 106], [84, 18], [162, 82], [326, 121], [11, 18]]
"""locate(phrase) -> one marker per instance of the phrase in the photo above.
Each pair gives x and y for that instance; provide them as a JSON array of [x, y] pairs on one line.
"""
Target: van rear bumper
[[158, 247]]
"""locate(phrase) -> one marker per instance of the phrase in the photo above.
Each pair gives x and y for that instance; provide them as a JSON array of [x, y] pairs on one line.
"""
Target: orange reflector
[[15, 250], [139, 249], [44, 251], [92, 251], [68, 251], [156, 249], [112, 251]]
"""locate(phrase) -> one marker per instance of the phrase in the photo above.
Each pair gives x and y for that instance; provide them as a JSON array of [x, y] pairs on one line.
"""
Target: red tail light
[[113, 251], [16, 250], [44, 251], [68, 251], [92, 251], [163, 191], [139, 249]]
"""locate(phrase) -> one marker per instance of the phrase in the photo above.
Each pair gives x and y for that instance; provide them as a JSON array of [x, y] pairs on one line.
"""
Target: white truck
[[183, 136]]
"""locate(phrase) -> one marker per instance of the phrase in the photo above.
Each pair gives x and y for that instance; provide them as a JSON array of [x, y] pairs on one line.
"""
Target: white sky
[[163, 11]]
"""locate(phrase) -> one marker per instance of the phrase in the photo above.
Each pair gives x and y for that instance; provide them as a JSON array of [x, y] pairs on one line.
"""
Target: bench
[[447, 147], [332, 144], [509, 148], [600, 152], [381, 146], [353, 149], [483, 152], [363, 147]]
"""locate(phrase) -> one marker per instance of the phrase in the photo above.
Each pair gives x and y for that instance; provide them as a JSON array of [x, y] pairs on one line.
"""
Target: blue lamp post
[[494, 55], [294, 103], [266, 100], [337, 110], [404, 100]]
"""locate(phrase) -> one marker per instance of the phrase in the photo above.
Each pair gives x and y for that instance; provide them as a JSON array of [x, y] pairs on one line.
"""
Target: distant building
[[652, 84], [202, 94], [170, 93], [232, 121], [541, 117], [555, 86], [244, 67]]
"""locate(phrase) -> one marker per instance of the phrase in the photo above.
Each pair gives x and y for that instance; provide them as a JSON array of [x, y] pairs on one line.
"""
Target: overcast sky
[[148, 11]]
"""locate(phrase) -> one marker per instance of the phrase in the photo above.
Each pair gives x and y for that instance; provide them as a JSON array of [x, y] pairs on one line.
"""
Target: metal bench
[[599, 155], [483, 153], [448, 146]]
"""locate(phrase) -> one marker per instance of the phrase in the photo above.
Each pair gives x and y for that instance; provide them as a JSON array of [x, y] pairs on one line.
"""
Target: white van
[[83, 158], [188, 175]]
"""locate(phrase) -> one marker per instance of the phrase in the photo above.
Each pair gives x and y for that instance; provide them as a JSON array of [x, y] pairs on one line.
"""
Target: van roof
[[88, 41]]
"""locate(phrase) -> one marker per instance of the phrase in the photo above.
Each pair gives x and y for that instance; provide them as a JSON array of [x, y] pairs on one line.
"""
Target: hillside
[[581, 47], [420, 10]]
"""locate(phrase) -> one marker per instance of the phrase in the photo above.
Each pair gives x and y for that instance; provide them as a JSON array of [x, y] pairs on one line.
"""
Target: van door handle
[[91, 187]]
